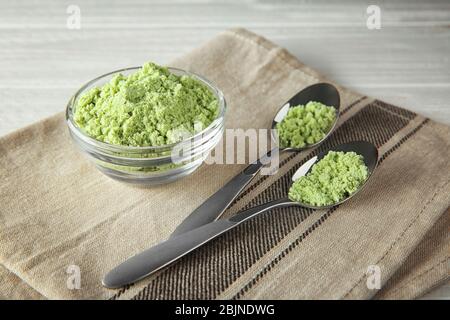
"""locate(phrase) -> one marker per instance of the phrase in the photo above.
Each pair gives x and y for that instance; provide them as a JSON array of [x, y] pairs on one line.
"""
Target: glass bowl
[[150, 165]]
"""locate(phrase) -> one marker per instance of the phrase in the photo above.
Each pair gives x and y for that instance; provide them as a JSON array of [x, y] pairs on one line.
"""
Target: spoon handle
[[166, 252], [215, 205]]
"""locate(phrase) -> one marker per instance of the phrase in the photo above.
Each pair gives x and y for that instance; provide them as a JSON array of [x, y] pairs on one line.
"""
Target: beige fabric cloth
[[57, 210], [424, 268]]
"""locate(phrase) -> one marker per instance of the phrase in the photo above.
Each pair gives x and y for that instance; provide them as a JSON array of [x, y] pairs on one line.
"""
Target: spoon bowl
[[366, 149], [320, 92]]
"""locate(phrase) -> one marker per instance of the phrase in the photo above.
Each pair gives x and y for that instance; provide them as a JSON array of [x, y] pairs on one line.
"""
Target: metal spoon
[[214, 206], [166, 252]]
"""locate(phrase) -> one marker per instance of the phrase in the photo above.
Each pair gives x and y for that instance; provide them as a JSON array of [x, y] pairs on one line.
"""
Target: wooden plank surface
[[42, 62]]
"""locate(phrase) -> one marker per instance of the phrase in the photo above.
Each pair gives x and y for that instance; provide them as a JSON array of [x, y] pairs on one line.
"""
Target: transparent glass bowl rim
[[132, 149]]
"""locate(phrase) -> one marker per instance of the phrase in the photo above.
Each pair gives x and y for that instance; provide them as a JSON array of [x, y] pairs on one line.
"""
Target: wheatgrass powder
[[150, 107], [305, 124], [333, 178]]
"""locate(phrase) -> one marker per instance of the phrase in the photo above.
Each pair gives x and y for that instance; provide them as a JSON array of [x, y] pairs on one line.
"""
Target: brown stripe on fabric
[[350, 107], [120, 292], [402, 140], [400, 111], [294, 244], [207, 271]]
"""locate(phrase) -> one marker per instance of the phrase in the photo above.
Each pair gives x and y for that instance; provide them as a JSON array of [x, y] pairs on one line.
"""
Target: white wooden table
[[43, 62]]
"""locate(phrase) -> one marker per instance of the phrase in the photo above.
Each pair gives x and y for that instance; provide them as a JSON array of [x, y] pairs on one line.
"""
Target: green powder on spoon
[[305, 125], [332, 179], [150, 107]]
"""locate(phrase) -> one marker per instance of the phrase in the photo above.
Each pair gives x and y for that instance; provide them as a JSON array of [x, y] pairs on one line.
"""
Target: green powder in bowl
[[151, 107], [305, 125], [333, 178]]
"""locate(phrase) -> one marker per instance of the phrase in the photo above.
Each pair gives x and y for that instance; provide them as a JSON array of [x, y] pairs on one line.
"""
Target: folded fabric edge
[[19, 287], [426, 268]]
